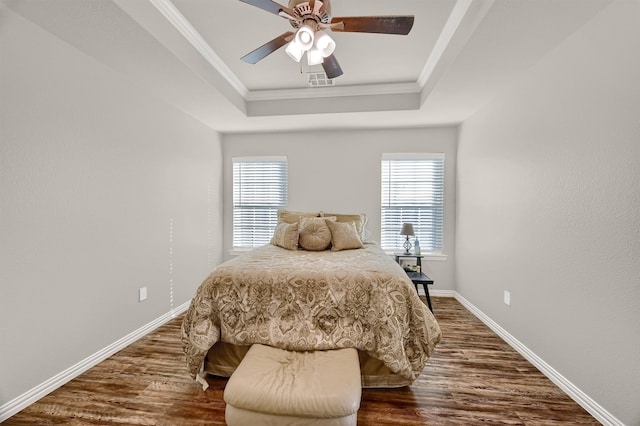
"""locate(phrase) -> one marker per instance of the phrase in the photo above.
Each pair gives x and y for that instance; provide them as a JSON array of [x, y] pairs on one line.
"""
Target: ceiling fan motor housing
[[304, 12]]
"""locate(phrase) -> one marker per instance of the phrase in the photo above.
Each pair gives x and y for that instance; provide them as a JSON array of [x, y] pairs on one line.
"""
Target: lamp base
[[407, 246]]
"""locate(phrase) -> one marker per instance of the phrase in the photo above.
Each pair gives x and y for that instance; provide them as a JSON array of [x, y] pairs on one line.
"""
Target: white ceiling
[[459, 54]]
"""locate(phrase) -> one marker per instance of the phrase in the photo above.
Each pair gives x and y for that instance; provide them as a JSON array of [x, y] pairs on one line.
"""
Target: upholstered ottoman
[[277, 387]]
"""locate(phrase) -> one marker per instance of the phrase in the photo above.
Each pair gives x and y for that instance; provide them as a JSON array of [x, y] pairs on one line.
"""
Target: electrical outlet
[[507, 298], [142, 294]]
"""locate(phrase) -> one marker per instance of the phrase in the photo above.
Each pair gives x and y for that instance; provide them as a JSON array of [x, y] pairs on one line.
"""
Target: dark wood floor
[[473, 377]]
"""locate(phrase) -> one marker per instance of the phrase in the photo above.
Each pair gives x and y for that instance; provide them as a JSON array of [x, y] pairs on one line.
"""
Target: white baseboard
[[592, 407], [596, 410], [19, 403], [439, 293]]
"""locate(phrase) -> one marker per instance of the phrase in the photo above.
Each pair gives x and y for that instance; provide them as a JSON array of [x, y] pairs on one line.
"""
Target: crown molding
[[372, 97], [446, 35], [184, 27], [331, 92]]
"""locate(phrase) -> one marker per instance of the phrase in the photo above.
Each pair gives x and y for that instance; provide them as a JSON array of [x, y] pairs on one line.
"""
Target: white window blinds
[[412, 192], [259, 190]]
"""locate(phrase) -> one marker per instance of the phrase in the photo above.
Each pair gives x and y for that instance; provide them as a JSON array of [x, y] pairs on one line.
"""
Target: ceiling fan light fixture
[[324, 43], [305, 37], [314, 56], [294, 50]]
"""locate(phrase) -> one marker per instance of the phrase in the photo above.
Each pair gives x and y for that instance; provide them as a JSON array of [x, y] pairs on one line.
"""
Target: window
[[259, 190], [413, 192]]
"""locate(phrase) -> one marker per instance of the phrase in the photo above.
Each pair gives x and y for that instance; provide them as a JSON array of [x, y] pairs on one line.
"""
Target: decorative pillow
[[360, 220], [286, 236], [286, 216], [344, 236], [314, 233]]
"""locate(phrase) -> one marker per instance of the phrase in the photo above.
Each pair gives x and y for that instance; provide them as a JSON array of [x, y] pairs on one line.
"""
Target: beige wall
[[92, 172], [339, 171], [549, 209]]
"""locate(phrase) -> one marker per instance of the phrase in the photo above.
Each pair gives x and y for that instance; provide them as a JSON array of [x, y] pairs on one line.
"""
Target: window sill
[[437, 257]]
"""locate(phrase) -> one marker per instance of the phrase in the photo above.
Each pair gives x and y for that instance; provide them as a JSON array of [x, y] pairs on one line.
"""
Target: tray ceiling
[[459, 54]]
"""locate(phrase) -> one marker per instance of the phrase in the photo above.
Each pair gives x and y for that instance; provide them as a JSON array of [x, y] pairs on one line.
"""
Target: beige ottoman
[[277, 387]]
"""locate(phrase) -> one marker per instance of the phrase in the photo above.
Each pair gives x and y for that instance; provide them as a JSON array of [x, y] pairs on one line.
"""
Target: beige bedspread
[[301, 300]]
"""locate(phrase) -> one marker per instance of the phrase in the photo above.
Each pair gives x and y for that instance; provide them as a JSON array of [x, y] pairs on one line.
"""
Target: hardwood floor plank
[[473, 377]]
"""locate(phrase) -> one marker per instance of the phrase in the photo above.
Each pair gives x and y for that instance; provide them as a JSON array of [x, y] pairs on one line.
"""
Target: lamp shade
[[314, 57], [305, 37], [324, 43], [407, 229], [295, 51]]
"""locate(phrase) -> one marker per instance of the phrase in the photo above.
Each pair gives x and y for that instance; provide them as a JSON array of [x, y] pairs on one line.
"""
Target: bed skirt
[[223, 358]]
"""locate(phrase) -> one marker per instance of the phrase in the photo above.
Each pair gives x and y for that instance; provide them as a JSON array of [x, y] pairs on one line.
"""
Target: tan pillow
[[314, 234], [286, 236], [286, 216], [360, 220], [344, 236]]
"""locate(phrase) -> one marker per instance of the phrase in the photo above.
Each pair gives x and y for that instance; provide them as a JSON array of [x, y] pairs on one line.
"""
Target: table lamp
[[407, 229]]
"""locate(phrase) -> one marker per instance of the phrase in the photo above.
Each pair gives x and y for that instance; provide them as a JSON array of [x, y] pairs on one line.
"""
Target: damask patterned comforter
[[302, 300]]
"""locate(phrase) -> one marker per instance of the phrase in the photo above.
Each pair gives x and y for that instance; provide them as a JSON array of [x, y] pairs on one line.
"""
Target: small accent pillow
[[360, 220], [286, 236], [314, 233], [344, 236]]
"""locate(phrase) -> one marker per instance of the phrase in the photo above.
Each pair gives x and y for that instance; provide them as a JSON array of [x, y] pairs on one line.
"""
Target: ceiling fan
[[311, 19]]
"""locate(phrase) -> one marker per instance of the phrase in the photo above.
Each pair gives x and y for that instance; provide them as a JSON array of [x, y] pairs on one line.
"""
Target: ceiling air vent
[[319, 79]]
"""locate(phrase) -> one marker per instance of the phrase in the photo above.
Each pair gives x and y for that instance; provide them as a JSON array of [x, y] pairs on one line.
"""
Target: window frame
[[429, 228], [264, 213]]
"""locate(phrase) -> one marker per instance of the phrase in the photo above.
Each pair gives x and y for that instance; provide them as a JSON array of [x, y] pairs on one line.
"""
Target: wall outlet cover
[[142, 294]]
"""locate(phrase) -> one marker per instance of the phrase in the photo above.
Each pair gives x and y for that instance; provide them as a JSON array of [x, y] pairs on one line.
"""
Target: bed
[[301, 300]]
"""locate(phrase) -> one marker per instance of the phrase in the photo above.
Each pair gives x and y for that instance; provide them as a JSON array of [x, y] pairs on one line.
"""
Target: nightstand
[[417, 278]]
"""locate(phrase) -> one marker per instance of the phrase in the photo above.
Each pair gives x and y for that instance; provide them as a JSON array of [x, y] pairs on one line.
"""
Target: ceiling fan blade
[[268, 48], [332, 67], [374, 24], [271, 7]]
